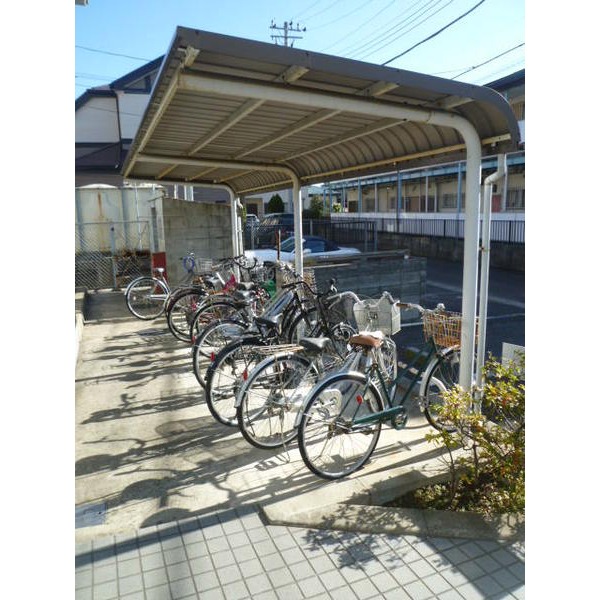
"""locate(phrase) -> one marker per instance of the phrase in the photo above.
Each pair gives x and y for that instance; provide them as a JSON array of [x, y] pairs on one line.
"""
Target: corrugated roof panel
[[228, 99]]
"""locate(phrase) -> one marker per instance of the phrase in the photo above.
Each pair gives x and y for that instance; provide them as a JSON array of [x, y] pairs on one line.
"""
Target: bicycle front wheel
[[442, 377], [331, 444], [145, 298], [271, 398]]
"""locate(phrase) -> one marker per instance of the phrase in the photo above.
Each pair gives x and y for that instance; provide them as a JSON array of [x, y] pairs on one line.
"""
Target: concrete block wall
[[502, 255], [370, 274], [202, 228]]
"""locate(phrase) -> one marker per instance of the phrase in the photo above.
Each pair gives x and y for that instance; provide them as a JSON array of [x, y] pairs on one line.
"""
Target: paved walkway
[[234, 555], [185, 501]]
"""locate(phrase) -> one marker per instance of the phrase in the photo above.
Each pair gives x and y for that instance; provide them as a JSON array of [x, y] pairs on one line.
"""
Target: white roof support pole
[[297, 198], [470, 267], [485, 271]]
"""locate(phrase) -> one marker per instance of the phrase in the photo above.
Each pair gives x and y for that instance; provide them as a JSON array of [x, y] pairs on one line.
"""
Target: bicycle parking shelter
[[250, 117]]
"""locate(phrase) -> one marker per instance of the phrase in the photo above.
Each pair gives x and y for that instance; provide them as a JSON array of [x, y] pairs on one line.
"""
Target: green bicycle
[[341, 419]]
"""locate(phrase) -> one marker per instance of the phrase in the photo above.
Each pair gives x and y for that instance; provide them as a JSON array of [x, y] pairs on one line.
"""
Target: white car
[[313, 246]]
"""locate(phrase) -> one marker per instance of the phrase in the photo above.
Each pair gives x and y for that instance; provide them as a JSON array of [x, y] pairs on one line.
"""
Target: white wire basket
[[378, 315]]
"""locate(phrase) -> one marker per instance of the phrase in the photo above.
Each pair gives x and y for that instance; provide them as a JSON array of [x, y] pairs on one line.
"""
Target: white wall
[[97, 121], [131, 110]]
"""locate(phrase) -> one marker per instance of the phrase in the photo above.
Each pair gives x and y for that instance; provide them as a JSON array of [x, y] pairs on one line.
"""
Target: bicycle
[[283, 308], [146, 296], [217, 284], [341, 419], [232, 365], [268, 401]]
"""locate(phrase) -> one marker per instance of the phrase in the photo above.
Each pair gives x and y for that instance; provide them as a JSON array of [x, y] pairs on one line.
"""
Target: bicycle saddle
[[372, 339], [318, 345]]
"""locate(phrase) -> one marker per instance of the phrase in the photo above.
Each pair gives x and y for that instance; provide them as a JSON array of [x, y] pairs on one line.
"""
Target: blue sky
[[373, 31]]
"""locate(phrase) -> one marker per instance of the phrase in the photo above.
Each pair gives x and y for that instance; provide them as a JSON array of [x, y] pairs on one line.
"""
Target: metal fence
[[110, 254], [359, 233], [512, 232]]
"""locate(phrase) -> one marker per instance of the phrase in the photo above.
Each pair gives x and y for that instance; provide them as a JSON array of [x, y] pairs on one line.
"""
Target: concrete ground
[[151, 459]]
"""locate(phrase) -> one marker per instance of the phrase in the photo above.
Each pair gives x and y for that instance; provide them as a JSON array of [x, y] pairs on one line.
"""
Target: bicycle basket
[[204, 266], [443, 326], [378, 315]]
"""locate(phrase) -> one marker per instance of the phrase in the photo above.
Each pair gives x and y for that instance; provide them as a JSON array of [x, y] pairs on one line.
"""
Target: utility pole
[[287, 27]]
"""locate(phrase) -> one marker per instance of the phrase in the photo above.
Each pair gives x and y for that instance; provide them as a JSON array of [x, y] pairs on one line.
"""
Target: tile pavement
[[235, 555]]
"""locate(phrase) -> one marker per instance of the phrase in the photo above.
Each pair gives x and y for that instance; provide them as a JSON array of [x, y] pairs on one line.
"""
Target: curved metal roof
[[226, 110]]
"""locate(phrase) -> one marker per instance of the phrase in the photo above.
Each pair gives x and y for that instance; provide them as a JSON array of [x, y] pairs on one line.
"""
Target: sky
[[114, 37]]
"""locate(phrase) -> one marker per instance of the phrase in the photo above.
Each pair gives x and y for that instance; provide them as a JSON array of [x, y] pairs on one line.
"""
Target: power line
[[489, 60], [380, 47], [359, 27], [338, 19], [383, 35], [322, 11], [112, 53], [435, 34]]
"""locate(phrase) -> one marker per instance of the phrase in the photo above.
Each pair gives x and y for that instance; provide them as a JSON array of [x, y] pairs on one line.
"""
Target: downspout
[[485, 270]]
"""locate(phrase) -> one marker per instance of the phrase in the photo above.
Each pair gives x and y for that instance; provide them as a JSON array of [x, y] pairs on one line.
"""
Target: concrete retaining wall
[[502, 255], [202, 228], [372, 273]]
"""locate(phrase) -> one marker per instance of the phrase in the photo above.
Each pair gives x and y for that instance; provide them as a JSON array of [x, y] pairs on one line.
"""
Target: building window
[[449, 200], [515, 199]]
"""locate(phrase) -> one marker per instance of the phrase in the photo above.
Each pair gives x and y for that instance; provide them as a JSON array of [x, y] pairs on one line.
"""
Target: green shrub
[[490, 477]]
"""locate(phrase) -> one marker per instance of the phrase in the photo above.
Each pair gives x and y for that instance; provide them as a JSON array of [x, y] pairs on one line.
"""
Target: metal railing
[[359, 233], [508, 231]]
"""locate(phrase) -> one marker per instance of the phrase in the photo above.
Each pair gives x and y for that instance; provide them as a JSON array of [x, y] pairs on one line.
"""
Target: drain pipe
[[485, 273]]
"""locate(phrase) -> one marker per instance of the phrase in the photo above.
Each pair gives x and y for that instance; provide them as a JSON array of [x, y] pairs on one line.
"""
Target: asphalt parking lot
[[506, 306]]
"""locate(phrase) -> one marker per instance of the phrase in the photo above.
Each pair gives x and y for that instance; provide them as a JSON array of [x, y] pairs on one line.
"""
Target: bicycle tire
[[215, 338], [209, 312], [181, 311], [304, 324], [442, 377], [329, 446], [269, 400], [225, 377], [142, 300]]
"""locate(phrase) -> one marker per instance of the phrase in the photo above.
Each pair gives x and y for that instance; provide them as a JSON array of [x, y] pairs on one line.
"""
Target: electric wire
[[380, 47], [434, 34], [376, 36], [489, 60], [359, 27], [112, 53]]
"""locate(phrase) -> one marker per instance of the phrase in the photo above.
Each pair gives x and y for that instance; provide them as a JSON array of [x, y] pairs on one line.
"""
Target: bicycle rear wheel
[[442, 377], [331, 445], [180, 311], [146, 297], [225, 376], [271, 397], [211, 341]]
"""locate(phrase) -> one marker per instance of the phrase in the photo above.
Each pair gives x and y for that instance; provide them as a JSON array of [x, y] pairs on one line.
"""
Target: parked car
[[313, 247], [270, 225], [252, 221]]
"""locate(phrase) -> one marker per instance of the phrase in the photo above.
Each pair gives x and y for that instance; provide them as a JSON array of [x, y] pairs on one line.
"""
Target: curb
[[355, 505], [81, 298]]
